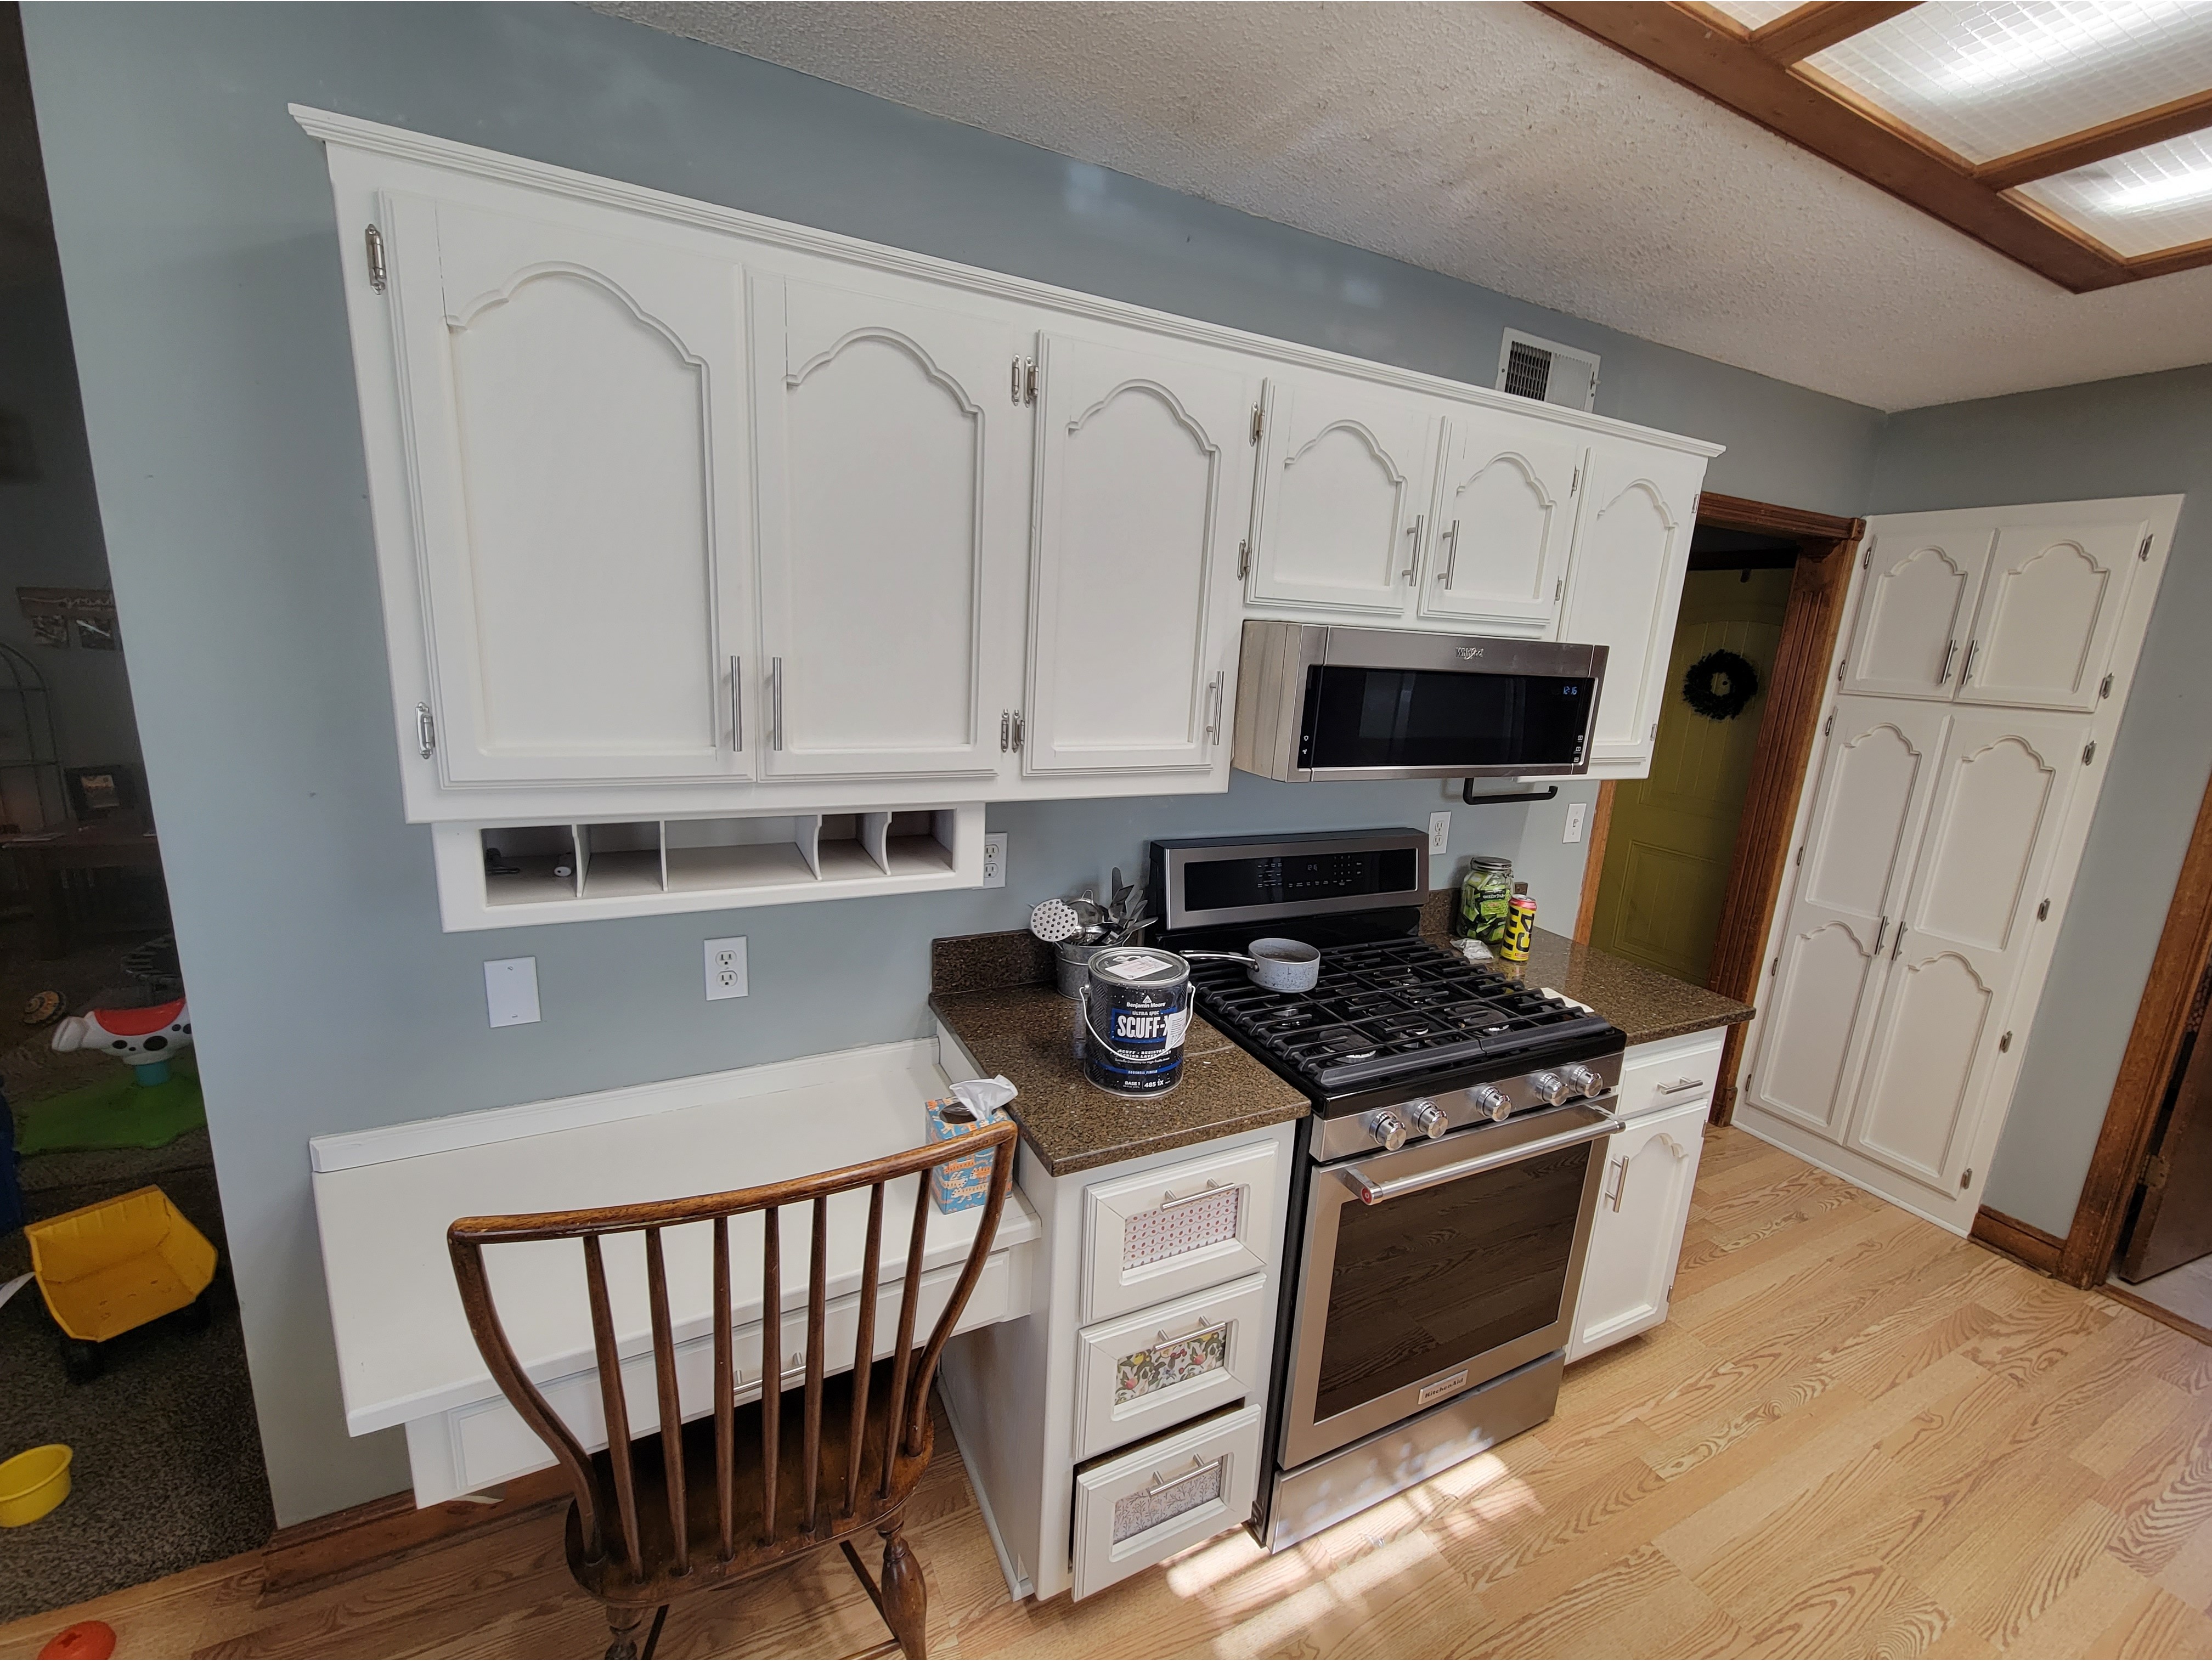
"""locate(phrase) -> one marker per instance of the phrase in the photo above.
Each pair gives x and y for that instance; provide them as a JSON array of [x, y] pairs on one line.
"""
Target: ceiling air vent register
[[1547, 372]]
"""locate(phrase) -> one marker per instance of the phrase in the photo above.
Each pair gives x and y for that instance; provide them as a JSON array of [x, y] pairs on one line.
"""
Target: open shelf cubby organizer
[[496, 876]]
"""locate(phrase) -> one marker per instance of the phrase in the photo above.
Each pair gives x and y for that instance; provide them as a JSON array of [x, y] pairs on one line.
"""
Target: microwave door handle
[[1371, 1192]]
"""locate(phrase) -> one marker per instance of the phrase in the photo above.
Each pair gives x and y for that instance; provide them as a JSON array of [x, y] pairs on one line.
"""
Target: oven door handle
[[1371, 1192]]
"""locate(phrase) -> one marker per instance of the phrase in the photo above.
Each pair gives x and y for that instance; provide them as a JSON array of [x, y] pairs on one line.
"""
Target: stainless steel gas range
[[1450, 1172]]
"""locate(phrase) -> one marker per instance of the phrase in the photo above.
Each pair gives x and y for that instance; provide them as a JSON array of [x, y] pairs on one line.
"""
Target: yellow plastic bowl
[[33, 1483]]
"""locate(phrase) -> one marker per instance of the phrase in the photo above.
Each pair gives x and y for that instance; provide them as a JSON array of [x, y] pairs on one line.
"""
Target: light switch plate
[[1439, 834], [1575, 813], [994, 860], [511, 991], [726, 974]]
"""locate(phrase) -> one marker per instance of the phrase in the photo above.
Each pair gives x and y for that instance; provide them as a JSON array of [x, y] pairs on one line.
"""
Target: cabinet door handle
[[1898, 944], [776, 700], [1199, 1468], [737, 703], [1881, 928], [1619, 1187], [1967, 669], [1413, 557], [1451, 554], [1219, 695], [1950, 649], [1678, 1086]]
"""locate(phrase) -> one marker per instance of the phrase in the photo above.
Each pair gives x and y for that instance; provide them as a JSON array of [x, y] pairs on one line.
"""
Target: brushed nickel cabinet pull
[[776, 700], [1413, 557], [737, 703]]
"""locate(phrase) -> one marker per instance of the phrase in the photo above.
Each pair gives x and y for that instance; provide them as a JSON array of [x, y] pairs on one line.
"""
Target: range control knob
[[1489, 1099], [1388, 1130], [1582, 1081], [1547, 1087], [1429, 1119]]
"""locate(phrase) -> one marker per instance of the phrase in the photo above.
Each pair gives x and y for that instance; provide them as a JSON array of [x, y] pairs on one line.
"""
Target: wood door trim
[[2142, 1305], [2184, 945], [1741, 513], [2023, 1242], [1788, 734], [1601, 827]]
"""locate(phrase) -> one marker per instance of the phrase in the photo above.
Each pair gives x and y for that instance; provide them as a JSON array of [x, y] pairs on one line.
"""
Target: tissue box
[[958, 1185]]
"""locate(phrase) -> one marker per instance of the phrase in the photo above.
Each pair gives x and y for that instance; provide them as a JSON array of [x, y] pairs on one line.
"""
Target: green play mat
[[115, 1113]]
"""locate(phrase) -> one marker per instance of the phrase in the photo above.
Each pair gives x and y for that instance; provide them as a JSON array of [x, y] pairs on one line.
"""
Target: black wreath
[[1719, 684]]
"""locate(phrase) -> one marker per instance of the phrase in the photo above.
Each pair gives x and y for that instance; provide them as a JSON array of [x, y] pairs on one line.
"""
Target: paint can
[[1134, 1009]]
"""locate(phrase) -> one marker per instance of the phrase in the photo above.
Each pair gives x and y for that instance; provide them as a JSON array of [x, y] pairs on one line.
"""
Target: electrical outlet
[[511, 991], [1575, 813], [994, 860], [1439, 834], [726, 968]]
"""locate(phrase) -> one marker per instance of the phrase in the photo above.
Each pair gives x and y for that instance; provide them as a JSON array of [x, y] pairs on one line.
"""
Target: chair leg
[[905, 1598], [622, 1628], [653, 1638]]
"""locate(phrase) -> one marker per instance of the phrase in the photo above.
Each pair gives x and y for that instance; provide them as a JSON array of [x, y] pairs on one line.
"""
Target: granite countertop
[[986, 993]]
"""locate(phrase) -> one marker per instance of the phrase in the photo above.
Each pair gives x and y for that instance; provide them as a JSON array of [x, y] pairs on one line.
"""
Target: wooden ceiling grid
[[1762, 74]]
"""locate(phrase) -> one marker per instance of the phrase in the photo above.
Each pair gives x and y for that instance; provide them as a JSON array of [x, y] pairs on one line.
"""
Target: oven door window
[[1425, 718], [1443, 1275]]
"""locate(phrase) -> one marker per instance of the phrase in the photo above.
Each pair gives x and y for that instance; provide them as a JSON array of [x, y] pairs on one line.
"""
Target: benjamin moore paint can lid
[[1138, 965]]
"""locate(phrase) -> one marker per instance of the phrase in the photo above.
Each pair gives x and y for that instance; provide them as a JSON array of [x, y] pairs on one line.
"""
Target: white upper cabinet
[[1917, 602], [1625, 586], [1341, 514], [1505, 517], [2043, 632], [1143, 489], [893, 474], [571, 396]]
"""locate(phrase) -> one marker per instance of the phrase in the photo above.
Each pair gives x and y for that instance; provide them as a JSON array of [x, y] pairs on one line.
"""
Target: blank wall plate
[[994, 860], [726, 968], [1576, 812], [511, 991], [1439, 834]]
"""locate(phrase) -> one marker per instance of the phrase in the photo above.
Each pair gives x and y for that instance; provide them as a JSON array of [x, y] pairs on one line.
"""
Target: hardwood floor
[[1856, 1435]]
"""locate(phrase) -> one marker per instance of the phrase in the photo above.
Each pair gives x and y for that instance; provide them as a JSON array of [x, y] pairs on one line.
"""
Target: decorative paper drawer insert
[[1168, 1497], [1170, 1361], [1186, 1223]]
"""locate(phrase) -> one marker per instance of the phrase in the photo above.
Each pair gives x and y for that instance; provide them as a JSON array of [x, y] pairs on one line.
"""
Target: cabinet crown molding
[[375, 138]]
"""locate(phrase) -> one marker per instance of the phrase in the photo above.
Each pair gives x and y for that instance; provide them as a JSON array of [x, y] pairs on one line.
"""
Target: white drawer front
[[1674, 1072], [1150, 1503], [1148, 1370], [1180, 1228]]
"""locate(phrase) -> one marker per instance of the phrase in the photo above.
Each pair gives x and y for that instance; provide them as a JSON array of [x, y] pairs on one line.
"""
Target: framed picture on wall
[[101, 792]]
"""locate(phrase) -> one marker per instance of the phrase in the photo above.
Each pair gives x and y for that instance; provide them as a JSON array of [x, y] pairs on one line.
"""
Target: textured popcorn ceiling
[[1495, 144]]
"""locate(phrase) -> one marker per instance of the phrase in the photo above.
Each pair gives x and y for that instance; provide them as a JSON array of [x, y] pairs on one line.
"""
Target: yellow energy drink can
[[1520, 927]]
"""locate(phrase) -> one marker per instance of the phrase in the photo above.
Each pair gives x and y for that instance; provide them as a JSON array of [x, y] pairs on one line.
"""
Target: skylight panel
[[1986, 80], [1753, 14], [2157, 197]]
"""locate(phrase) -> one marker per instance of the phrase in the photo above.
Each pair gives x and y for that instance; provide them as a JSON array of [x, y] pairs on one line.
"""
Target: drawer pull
[[1205, 1329], [1198, 1468], [1681, 1085], [1170, 1201]]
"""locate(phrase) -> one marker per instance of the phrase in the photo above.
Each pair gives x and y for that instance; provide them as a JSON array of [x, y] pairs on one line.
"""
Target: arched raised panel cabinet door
[[1625, 586], [575, 442], [1916, 600], [1341, 510], [1144, 487], [893, 520], [2000, 793], [1643, 1203], [2043, 632], [1876, 779], [1504, 518]]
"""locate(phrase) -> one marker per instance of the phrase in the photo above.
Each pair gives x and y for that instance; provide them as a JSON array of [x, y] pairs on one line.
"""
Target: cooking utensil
[[1055, 920], [1281, 966]]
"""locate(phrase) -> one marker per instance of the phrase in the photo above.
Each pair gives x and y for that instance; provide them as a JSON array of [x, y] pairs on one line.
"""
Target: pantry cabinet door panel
[[1343, 498], [1875, 781], [1625, 584], [2000, 791], [1144, 481], [893, 479], [575, 439], [1917, 600], [2043, 635], [1504, 521]]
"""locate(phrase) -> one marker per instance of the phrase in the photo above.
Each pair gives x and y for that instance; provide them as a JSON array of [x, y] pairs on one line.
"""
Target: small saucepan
[[1281, 966]]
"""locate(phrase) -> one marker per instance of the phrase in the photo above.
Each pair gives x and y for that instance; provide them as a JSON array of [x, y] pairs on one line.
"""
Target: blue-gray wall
[[2142, 436], [201, 262]]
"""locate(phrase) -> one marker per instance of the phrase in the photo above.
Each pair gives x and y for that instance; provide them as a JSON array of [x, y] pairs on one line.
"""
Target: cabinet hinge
[[1774, 968], [1655, 734], [2143, 553], [1800, 857], [375, 240], [2043, 912], [1017, 729], [426, 732], [1828, 725], [2004, 1043], [1839, 669], [2105, 686], [1023, 383], [1559, 591], [1259, 416], [2156, 1169], [1866, 560], [2088, 752], [1576, 484], [1966, 1178], [1244, 560], [1005, 731]]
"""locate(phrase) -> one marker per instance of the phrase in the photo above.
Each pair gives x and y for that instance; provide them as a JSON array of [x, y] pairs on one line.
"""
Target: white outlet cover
[[994, 860], [511, 991], [726, 973], [1575, 813], [1439, 833]]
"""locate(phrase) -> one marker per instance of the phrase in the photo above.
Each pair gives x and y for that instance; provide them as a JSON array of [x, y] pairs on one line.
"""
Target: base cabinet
[[1651, 1167]]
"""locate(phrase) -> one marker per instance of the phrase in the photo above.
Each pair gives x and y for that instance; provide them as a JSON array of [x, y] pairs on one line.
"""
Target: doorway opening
[[1685, 864]]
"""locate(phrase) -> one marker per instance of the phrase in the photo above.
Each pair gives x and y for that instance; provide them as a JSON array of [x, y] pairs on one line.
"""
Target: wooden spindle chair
[[743, 1490]]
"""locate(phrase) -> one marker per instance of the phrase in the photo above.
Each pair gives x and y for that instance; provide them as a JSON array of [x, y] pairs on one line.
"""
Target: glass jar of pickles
[[1485, 900]]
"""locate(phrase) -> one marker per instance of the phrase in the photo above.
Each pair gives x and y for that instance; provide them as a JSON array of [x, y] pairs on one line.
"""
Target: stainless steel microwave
[[1314, 702]]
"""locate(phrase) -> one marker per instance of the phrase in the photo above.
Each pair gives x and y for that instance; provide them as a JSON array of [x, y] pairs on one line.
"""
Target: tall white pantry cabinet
[[729, 562]]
